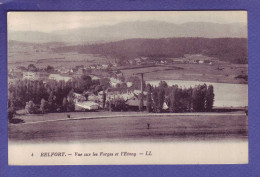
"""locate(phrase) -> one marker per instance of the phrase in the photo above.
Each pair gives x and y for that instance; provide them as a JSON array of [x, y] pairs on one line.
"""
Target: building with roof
[[30, 75], [59, 77], [86, 106]]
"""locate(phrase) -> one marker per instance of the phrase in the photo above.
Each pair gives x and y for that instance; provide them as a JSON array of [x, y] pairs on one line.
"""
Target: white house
[[105, 66], [129, 84], [59, 77], [77, 98], [86, 105], [94, 77], [114, 81], [30, 75]]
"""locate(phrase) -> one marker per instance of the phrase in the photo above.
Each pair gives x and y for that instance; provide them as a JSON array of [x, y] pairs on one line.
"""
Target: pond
[[226, 95]]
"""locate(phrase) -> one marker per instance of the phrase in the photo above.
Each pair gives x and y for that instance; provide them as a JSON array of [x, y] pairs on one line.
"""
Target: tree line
[[164, 98], [232, 50], [197, 99], [49, 96], [53, 96]]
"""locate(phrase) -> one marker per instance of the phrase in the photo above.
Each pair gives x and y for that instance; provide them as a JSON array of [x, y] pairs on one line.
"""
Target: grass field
[[218, 72], [161, 128]]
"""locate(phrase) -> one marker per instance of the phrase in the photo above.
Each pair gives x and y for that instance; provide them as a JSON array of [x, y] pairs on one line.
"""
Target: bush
[[31, 108], [11, 113], [117, 104]]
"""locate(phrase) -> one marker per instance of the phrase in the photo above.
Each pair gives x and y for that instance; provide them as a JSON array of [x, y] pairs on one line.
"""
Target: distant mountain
[[138, 29]]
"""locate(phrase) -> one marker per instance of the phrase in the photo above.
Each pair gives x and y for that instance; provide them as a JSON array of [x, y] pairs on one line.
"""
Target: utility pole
[[142, 82]]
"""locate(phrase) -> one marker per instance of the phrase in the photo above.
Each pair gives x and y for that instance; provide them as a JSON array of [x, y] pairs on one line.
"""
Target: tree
[[163, 84], [49, 69], [104, 99], [97, 89], [199, 98], [32, 67], [155, 100], [11, 113], [64, 104], [44, 106], [70, 104], [141, 101], [210, 98], [118, 104], [52, 102], [86, 81], [161, 98], [149, 98], [173, 100], [30, 108], [105, 82]]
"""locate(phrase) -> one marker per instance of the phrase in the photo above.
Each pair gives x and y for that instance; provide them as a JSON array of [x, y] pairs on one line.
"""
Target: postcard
[[127, 87]]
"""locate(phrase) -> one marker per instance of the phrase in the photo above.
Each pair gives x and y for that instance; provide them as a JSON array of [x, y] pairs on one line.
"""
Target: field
[[218, 72], [44, 58], [136, 127]]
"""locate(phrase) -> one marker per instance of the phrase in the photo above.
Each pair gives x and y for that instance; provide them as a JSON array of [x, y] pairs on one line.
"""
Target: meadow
[[165, 128]]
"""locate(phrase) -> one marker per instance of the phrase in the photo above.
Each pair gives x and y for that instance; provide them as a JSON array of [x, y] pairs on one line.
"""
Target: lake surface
[[226, 95]]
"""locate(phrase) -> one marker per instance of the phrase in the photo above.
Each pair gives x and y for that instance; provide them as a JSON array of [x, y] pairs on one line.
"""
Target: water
[[226, 95]]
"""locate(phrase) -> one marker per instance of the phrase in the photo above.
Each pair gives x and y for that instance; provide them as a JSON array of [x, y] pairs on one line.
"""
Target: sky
[[55, 21]]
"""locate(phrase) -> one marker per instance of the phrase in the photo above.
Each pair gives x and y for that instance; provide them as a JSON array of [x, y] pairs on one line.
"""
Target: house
[[137, 92], [129, 84], [94, 77], [77, 98], [93, 98], [134, 102], [105, 66], [30, 75], [86, 105], [59, 77], [114, 81], [43, 75]]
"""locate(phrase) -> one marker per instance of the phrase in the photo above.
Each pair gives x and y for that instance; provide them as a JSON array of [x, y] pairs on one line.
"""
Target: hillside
[[232, 50], [128, 30]]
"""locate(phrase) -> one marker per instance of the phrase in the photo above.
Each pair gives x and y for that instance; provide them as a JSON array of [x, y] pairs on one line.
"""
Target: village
[[128, 88]]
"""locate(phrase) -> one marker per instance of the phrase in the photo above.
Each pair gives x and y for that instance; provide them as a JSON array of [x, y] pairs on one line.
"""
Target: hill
[[232, 50]]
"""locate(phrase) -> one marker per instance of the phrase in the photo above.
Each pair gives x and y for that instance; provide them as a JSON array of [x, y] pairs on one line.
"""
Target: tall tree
[[155, 100], [44, 106], [64, 104], [210, 98], [161, 98], [141, 101], [149, 98]]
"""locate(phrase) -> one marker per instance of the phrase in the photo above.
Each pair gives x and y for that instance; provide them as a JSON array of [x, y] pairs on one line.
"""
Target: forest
[[233, 50]]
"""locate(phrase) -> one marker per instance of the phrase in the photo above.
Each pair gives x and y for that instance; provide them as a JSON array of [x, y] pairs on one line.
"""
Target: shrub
[[118, 104], [11, 113], [30, 108]]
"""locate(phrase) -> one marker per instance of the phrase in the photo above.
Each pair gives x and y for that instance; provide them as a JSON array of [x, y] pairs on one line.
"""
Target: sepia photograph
[[127, 87]]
